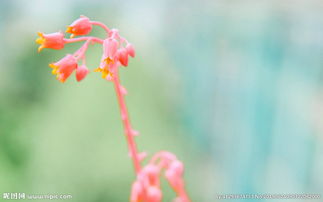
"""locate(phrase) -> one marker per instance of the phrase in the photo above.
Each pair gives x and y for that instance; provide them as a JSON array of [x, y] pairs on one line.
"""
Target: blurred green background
[[233, 88]]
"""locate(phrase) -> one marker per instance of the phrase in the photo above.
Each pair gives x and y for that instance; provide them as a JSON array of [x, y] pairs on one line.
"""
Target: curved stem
[[101, 25], [80, 52], [85, 38], [126, 123]]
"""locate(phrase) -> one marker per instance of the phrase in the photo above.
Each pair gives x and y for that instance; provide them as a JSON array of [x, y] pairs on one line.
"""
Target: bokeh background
[[234, 88]]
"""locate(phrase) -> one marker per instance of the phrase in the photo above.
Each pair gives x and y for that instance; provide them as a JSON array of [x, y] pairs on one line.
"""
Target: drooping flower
[[81, 72], [81, 26], [64, 67], [174, 179], [105, 68], [151, 172], [147, 185], [137, 192], [109, 59], [153, 194], [53, 40], [110, 47], [116, 52]]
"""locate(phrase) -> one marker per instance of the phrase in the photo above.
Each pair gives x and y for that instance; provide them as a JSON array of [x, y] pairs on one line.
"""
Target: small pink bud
[[123, 115], [134, 132], [123, 56], [177, 167], [142, 156], [114, 33], [81, 72], [123, 90], [153, 194], [130, 50]]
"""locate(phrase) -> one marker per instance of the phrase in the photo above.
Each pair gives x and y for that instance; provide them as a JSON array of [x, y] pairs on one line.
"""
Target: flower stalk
[[116, 52], [126, 124]]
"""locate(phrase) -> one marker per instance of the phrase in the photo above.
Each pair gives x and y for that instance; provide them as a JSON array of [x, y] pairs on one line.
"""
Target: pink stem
[[163, 155], [85, 38], [101, 25], [126, 123], [80, 52]]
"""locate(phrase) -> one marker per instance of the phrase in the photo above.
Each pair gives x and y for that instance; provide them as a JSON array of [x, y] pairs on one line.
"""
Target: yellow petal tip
[[40, 34], [40, 48], [97, 69], [51, 65], [69, 29]]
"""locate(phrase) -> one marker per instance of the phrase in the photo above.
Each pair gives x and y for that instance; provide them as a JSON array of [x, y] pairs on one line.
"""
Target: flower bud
[[177, 167], [123, 56], [130, 50], [81, 72]]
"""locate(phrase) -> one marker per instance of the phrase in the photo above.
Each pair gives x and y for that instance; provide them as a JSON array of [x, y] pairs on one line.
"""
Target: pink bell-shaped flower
[[53, 40], [151, 172], [64, 67], [81, 26], [136, 192], [110, 47]]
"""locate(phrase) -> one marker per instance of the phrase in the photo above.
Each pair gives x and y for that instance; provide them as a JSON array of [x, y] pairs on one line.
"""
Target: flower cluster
[[116, 52], [147, 185]]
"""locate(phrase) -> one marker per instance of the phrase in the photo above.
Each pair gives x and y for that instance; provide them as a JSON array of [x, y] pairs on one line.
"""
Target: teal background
[[233, 88]]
